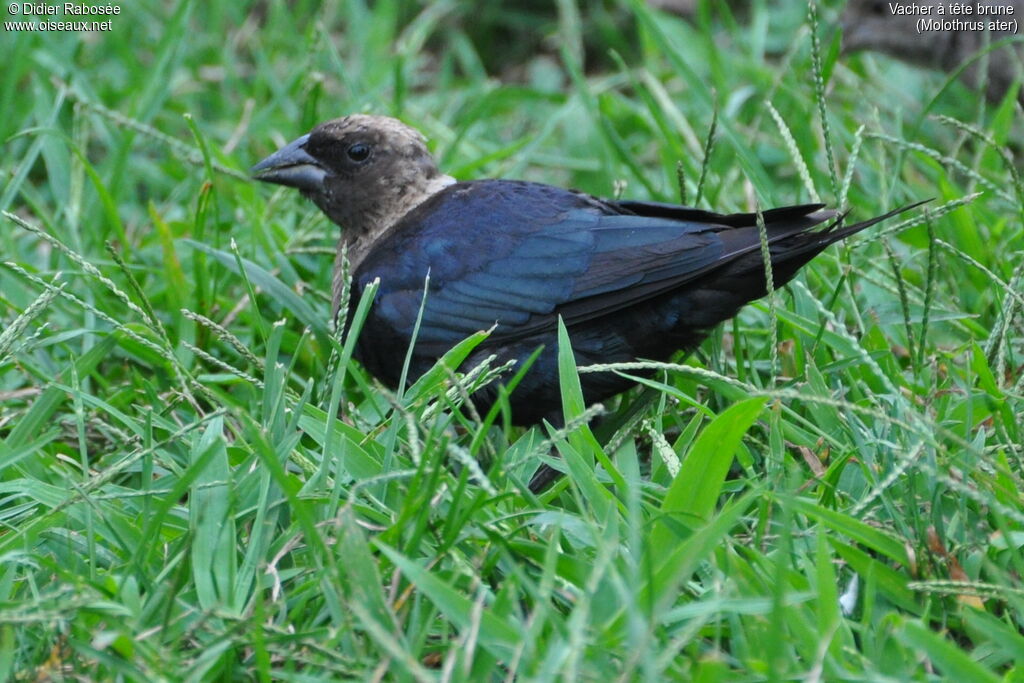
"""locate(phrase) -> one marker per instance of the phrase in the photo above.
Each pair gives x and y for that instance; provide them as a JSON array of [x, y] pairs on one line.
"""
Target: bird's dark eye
[[358, 152]]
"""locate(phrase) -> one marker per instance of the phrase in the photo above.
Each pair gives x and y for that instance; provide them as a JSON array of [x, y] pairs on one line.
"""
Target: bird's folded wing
[[732, 220], [522, 271]]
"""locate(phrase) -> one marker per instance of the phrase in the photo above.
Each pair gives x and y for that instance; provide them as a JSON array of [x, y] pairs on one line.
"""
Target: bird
[[950, 41], [629, 279]]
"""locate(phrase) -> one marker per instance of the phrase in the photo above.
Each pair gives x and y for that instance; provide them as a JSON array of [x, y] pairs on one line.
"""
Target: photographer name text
[[31, 9], [41, 12]]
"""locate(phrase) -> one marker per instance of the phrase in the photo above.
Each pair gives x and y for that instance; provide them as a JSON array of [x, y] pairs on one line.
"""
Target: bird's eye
[[358, 152]]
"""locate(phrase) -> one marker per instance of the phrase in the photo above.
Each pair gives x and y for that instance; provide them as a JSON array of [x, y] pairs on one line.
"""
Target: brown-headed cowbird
[[945, 40], [631, 279]]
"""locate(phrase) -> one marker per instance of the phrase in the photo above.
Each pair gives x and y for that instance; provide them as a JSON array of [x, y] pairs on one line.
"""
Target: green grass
[[827, 489]]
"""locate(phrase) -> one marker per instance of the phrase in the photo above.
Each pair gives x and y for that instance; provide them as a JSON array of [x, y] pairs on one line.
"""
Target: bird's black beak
[[291, 166]]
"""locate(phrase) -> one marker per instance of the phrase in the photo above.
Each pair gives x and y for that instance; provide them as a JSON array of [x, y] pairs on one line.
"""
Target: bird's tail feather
[[837, 231]]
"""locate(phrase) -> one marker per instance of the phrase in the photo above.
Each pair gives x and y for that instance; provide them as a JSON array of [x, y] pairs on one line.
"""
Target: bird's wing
[[520, 255], [732, 220]]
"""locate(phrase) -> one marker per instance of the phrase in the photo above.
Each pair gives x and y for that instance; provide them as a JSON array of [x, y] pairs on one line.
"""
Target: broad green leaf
[[695, 490]]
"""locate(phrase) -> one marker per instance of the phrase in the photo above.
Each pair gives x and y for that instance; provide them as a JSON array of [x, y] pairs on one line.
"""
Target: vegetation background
[[828, 489]]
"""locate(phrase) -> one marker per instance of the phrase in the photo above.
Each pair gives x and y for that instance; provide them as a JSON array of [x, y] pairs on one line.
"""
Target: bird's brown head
[[364, 172]]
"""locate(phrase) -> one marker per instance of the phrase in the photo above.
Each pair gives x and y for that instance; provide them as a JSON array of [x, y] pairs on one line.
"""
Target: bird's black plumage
[[630, 279]]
